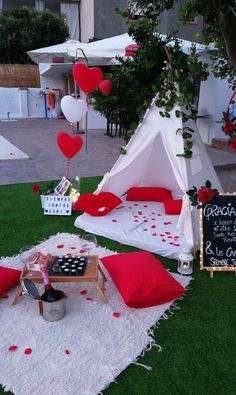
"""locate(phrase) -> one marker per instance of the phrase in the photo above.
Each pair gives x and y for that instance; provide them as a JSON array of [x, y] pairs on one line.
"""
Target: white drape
[[71, 11], [39, 5]]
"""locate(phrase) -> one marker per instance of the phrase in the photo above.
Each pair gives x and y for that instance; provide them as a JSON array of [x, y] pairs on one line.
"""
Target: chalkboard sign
[[218, 234]]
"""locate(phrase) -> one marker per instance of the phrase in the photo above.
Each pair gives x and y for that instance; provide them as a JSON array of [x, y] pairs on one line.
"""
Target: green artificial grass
[[198, 339]]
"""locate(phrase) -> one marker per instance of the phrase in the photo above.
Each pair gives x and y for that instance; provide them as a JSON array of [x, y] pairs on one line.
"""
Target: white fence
[[21, 103]]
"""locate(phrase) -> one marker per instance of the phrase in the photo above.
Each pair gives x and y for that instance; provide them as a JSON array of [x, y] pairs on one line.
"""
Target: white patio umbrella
[[98, 53]]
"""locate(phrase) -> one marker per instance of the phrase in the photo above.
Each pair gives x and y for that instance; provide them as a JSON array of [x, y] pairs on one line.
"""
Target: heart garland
[[87, 78], [69, 146]]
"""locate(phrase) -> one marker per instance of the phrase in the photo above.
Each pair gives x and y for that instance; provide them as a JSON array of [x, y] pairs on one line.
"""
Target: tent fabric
[[151, 160]]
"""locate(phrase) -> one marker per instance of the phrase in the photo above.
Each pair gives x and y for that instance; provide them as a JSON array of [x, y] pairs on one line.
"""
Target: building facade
[[97, 19]]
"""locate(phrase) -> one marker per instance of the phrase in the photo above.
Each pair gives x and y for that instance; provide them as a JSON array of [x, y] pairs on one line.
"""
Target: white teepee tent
[[151, 160]]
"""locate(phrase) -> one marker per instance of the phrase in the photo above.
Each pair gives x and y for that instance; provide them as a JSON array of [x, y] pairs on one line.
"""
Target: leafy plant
[[46, 190], [203, 195], [24, 29], [157, 67]]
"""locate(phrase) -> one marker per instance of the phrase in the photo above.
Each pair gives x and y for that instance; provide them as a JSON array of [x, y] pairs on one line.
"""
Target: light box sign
[[57, 205], [218, 234]]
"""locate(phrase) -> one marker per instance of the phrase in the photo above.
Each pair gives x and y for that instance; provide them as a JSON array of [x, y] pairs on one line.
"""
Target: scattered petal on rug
[[102, 339]]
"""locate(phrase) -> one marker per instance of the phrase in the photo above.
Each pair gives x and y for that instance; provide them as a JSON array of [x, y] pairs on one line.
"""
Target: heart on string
[[87, 78], [105, 86], [73, 109], [69, 145]]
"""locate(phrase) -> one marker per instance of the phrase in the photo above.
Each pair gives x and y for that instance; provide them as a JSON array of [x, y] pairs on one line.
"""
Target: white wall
[[21, 103], [54, 81], [213, 100]]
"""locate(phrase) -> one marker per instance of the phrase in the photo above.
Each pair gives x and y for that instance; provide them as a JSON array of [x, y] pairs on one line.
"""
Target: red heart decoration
[[105, 86], [97, 205], [116, 314], [87, 78], [68, 145]]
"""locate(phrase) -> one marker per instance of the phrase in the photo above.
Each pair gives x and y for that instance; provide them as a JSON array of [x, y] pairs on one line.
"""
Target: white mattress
[[139, 224]]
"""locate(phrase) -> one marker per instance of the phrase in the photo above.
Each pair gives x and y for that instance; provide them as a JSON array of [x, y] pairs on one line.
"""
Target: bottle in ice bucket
[[50, 294]]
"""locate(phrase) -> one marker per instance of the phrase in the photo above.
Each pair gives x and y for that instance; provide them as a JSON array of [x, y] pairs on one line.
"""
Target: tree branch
[[227, 24]]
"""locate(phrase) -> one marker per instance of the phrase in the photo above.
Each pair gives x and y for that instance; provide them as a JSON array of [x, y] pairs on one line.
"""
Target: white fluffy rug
[[82, 353]]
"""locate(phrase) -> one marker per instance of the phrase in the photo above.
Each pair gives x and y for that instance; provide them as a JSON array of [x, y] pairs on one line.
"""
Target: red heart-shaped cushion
[[87, 78], [97, 205], [105, 86], [69, 145]]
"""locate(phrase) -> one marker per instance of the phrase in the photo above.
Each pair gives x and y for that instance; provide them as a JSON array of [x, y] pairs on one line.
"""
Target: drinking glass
[[28, 255], [89, 242]]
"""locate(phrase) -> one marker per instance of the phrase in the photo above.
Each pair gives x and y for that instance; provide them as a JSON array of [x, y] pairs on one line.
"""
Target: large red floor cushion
[[142, 279], [8, 278], [156, 194]]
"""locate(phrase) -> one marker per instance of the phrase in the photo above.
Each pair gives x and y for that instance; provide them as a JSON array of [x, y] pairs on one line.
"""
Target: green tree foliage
[[219, 23], [133, 82], [157, 67], [24, 29]]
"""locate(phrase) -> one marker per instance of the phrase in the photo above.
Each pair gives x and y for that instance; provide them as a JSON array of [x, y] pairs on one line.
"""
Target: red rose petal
[[83, 292], [12, 348], [28, 351], [145, 229], [177, 245], [169, 237], [165, 223], [136, 204], [145, 220], [162, 235], [68, 254], [163, 240], [145, 205], [167, 233], [171, 243], [72, 248], [67, 352], [130, 207], [60, 246], [114, 220], [140, 213], [88, 298], [154, 234], [116, 314], [136, 220], [82, 251], [153, 219], [159, 215], [4, 296], [153, 213], [153, 226], [135, 216]]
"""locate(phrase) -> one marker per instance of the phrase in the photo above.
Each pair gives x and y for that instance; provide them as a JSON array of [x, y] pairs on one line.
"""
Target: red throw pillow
[[173, 206], [8, 278], [142, 279], [97, 205], [149, 193]]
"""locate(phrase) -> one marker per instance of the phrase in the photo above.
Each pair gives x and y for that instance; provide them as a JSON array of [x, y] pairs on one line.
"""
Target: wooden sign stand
[[218, 234]]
